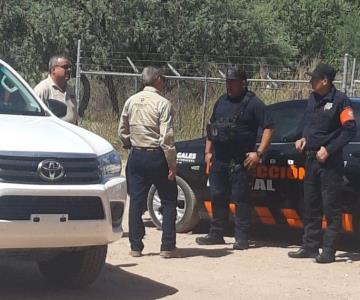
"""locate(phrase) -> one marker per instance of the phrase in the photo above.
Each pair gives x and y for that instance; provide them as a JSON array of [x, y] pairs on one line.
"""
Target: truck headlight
[[110, 165]]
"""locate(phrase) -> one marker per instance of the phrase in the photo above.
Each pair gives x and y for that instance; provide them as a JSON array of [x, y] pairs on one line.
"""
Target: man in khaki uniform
[[56, 87], [146, 127]]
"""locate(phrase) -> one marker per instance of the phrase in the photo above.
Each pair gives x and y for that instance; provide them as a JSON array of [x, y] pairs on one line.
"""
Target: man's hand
[[252, 159], [172, 173], [322, 155], [208, 160], [300, 144]]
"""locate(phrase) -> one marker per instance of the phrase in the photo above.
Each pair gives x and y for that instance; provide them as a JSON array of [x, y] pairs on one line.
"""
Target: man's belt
[[146, 148]]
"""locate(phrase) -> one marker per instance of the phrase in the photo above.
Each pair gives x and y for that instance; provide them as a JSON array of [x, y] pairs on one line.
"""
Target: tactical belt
[[310, 154], [235, 166]]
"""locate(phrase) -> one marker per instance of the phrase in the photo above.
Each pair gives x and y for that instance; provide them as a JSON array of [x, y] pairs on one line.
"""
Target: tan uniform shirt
[[47, 89], [147, 121]]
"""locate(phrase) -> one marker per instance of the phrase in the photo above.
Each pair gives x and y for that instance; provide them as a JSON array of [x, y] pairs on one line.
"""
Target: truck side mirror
[[57, 107]]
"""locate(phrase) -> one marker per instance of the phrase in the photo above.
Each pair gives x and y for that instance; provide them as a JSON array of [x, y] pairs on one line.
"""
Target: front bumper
[[49, 232]]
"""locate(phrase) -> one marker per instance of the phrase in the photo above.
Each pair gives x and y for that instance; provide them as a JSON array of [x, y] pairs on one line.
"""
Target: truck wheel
[[187, 212], [74, 268]]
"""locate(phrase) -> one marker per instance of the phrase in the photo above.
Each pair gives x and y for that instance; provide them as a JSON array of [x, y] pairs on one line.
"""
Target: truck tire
[[74, 269], [187, 211]]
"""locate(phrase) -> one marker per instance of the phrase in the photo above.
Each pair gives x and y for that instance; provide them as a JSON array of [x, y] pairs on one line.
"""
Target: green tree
[[312, 25]]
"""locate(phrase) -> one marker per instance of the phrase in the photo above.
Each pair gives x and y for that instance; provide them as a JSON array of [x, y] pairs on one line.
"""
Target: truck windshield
[[15, 99]]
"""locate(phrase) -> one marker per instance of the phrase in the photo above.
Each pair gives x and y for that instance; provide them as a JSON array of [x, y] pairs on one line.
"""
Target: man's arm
[[42, 92], [300, 144], [253, 158], [348, 130], [265, 141], [208, 156], [124, 128], [209, 143], [263, 118], [167, 138]]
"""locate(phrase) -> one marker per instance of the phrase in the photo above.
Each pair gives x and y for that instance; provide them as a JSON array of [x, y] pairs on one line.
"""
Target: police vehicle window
[[15, 99], [288, 118], [356, 107]]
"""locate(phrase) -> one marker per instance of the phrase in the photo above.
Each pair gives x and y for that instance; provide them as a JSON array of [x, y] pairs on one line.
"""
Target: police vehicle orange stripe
[[292, 218]]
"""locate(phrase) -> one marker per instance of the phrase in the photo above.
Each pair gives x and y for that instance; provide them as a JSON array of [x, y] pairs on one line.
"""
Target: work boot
[[210, 239], [325, 257], [134, 253], [303, 253], [241, 245], [170, 253]]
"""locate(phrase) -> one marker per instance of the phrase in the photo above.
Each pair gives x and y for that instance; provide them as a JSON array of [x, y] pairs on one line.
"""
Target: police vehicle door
[[278, 179]]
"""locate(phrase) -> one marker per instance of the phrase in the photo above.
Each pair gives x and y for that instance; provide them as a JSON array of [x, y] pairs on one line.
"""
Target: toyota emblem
[[51, 170]]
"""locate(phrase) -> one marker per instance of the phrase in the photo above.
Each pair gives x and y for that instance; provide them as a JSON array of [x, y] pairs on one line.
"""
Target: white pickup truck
[[62, 197]]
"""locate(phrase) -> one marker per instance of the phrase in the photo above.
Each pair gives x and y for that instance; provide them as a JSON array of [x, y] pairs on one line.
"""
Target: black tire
[[191, 215], [74, 269]]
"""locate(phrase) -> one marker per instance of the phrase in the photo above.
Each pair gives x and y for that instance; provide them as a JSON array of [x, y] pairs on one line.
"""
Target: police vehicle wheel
[[187, 212]]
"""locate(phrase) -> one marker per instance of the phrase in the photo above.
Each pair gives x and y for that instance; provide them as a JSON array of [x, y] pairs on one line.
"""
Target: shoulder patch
[[347, 115]]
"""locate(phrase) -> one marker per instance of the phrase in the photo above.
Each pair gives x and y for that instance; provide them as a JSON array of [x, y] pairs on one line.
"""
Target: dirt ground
[[205, 272]]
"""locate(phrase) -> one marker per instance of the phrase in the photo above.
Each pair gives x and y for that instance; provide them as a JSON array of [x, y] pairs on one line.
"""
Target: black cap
[[235, 73], [323, 71]]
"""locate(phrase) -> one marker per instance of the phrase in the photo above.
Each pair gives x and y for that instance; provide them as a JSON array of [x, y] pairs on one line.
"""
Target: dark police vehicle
[[277, 193]]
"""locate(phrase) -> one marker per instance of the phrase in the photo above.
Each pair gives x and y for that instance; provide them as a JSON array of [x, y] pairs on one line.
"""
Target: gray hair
[[54, 60], [150, 74]]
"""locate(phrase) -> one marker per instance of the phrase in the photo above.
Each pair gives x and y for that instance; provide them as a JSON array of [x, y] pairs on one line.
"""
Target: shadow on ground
[[195, 252], [283, 237], [20, 280]]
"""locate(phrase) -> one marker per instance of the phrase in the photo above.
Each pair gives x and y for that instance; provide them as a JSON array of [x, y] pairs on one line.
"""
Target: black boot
[[326, 257], [241, 245], [210, 239], [303, 253]]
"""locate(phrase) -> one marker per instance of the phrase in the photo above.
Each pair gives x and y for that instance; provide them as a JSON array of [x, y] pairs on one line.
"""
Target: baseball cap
[[322, 71]]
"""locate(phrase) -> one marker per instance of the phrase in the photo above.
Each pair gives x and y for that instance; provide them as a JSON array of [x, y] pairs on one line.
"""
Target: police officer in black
[[329, 126], [231, 149]]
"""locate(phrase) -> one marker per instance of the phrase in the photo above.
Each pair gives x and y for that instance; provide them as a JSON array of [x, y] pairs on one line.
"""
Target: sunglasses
[[65, 67]]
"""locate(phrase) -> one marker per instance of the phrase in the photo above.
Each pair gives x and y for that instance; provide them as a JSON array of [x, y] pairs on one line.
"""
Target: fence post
[[135, 69], [344, 79], [78, 74], [176, 73], [205, 96], [352, 78]]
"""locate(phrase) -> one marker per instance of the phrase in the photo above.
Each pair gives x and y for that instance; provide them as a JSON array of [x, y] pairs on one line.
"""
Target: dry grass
[[187, 98]]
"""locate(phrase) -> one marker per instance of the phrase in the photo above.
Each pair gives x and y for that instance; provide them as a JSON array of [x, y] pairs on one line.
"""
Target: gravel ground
[[208, 272]]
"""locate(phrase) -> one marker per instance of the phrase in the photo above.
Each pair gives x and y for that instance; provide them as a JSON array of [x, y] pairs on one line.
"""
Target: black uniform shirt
[[255, 116], [329, 121]]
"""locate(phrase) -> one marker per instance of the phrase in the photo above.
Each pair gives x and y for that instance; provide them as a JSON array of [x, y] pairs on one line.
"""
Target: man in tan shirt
[[146, 126], [56, 87]]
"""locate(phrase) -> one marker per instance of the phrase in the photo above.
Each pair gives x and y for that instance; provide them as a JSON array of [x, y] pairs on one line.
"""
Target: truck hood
[[48, 134]]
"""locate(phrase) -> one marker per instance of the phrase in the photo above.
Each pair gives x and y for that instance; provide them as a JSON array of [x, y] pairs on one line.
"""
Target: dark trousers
[[321, 188], [144, 169], [226, 185]]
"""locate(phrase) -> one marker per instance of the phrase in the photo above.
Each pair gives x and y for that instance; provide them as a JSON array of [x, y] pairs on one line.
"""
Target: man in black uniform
[[230, 147], [329, 126]]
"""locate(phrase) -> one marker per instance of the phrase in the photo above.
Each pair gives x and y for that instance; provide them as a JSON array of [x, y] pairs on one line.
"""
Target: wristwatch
[[259, 154]]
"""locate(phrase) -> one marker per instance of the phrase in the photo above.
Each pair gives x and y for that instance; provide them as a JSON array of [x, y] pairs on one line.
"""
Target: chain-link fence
[[194, 83]]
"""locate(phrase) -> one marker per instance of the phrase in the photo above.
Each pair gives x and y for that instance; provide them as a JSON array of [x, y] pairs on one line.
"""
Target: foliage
[[31, 31]]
